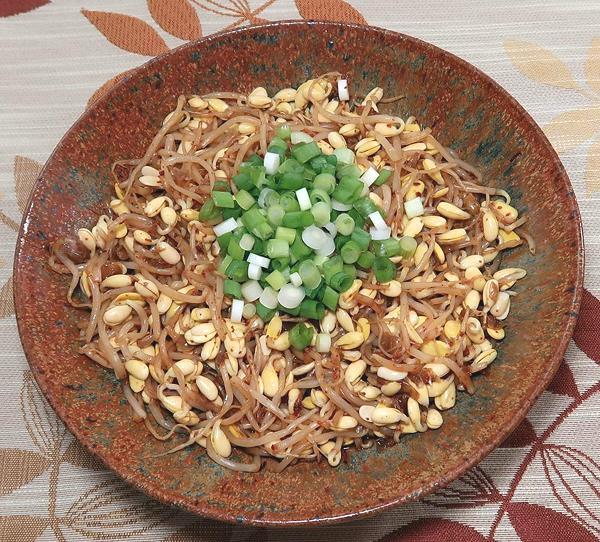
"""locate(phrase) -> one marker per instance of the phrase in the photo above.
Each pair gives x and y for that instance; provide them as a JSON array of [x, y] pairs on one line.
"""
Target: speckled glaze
[[466, 110]]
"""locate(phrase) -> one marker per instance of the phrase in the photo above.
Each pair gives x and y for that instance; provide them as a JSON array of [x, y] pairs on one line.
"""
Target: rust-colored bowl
[[466, 110]]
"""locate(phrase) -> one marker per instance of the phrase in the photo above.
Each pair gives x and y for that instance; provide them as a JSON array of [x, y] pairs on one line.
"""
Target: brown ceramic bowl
[[466, 110]]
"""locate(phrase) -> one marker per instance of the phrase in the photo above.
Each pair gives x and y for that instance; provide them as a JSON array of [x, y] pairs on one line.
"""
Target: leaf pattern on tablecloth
[[77, 455], [572, 128], [14, 7], [7, 304], [539, 64], [19, 467], [592, 168], [204, 530], [434, 529], [575, 127], [106, 87], [475, 488], [535, 523], [127, 32], [177, 17], [330, 10], [28, 527], [592, 65], [45, 429], [113, 509], [524, 435], [575, 481], [587, 330], [26, 172], [563, 382]]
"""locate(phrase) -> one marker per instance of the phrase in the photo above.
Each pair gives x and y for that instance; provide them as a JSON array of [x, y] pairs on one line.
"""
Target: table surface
[[542, 484]]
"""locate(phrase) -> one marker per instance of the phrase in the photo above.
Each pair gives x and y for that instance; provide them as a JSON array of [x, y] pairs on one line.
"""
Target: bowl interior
[[464, 108]]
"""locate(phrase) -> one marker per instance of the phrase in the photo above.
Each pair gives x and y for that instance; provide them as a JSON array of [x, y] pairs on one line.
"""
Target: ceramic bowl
[[466, 111]]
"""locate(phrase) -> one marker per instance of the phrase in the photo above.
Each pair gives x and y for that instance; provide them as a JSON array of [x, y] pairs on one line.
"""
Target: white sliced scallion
[[237, 310], [225, 227]]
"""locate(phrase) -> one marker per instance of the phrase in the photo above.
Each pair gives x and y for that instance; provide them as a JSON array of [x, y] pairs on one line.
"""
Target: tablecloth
[[542, 484]]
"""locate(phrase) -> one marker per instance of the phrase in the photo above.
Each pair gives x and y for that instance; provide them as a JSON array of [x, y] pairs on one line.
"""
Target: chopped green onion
[[407, 248], [259, 260], [321, 213], [298, 219], [291, 166], [384, 269], [235, 250], [225, 227], [277, 248], [347, 170], [305, 151], [300, 137], [265, 314], [365, 260], [344, 155], [254, 271], [365, 206], [341, 281], [303, 199], [361, 238], [287, 234], [319, 195], [284, 131], [330, 298], [299, 251], [323, 343], [350, 270], [223, 241], [237, 270], [310, 274], [324, 181], [347, 190], [290, 296], [344, 224], [301, 336], [291, 181], [236, 213], [280, 264], [268, 298], [350, 252], [289, 202], [263, 230], [253, 160], [276, 280], [384, 175], [275, 214], [247, 241], [331, 267], [296, 279], [244, 199], [243, 181], [209, 212], [249, 310], [414, 207], [225, 263], [319, 260], [309, 308], [232, 289], [267, 197], [252, 218]]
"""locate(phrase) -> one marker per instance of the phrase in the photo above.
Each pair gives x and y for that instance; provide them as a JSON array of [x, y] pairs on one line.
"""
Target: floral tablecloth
[[541, 485]]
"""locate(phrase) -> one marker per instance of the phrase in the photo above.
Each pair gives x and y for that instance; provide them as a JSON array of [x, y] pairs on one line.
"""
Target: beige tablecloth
[[543, 484]]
